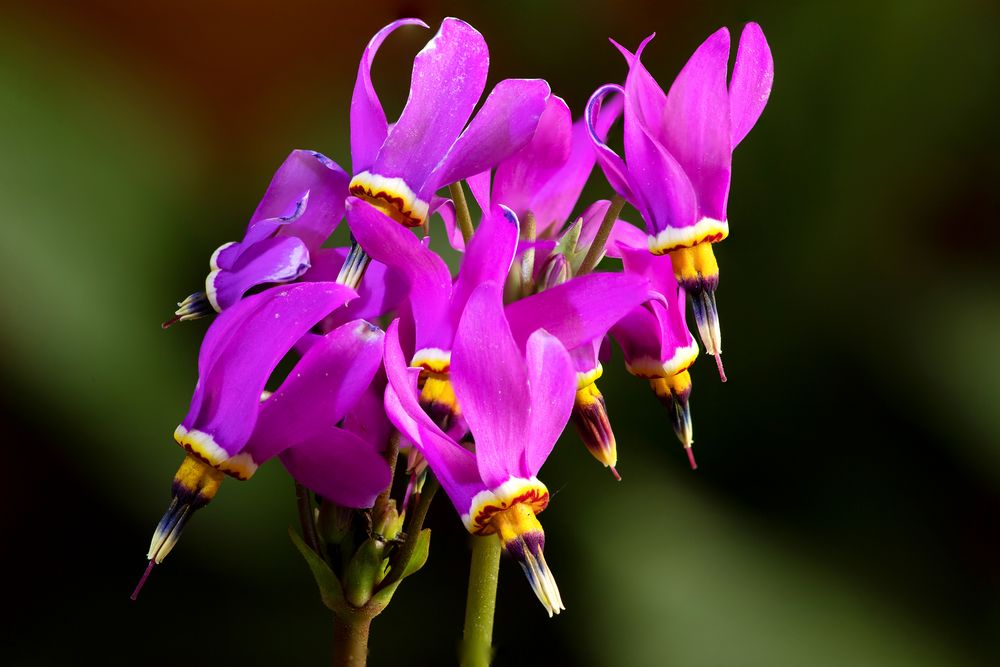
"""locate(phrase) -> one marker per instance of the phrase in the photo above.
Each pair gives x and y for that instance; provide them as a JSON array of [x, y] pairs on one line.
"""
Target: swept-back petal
[[326, 383], [503, 126], [367, 418], [696, 127], [319, 183], [753, 76], [453, 465], [449, 75], [339, 466], [577, 311], [491, 383], [427, 276], [552, 380], [662, 191], [274, 260], [242, 348], [368, 123], [381, 289], [610, 162], [643, 90], [488, 257], [524, 174]]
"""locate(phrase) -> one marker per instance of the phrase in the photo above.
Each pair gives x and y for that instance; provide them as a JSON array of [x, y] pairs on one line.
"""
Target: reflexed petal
[[554, 202], [488, 257], [427, 275], [479, 184], [274, 260], [696, 124], [662, 191], [319, 391], [381, 289], [643, 90], [368, 124], [577, 311], [339, 466], [552, 380], [242, 348], [503, 126], [525, 173], [449, 75], [446, 209], [750, 86], [367, 418], [320, 182], [628, 235], [491, 383], [611, 164], [453, 465]]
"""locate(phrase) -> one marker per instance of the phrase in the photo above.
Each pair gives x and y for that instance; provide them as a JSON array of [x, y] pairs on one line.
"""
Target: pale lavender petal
[[368, 123], [750, 86], [491, 384], [696, 124], [314, 178], [661, 189], [502, 127], [242, 348], [577, 311], [523, 175], [611, 163], [488, 257], [552, 379], [449, 75], [339, 466], [326, 382], [453, 465], [427, 276], [275, 260]]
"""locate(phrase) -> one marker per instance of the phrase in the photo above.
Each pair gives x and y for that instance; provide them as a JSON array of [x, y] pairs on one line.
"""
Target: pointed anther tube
[[523, 539], [674, 393], [697, 272], [194, 486]]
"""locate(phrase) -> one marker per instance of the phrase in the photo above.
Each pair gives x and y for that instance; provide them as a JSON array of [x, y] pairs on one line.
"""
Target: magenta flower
[[234, 425], [301, 207], [678, 148], [516, 400], [399, 168], [654, 337], [546, 176]]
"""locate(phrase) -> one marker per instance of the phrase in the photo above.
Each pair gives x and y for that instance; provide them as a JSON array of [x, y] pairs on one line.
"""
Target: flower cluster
[[472, 375]]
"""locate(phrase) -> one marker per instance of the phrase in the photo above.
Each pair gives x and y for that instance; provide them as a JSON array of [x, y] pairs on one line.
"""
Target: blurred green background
[[846, 509]]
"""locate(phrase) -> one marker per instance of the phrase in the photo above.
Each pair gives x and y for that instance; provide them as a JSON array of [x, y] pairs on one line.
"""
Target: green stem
[[413, 528], [307, 518], [477, 637], [461, 210], [350, 640], [597, 247], [528, 260]]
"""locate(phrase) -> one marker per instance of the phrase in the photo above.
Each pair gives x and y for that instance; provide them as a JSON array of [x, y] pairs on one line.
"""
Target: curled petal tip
[[690, 453], [722, 370], [142, 580]]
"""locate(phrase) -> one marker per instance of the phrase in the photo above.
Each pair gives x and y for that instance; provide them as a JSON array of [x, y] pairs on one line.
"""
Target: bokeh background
[[846, 510]]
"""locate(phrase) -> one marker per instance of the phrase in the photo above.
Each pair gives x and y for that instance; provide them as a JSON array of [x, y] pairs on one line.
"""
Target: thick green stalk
[[477, 637], [461, 210], [597, 247], [350, 640]]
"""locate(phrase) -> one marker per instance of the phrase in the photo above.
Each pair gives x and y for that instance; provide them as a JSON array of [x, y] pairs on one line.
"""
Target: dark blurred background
[[846, 508]]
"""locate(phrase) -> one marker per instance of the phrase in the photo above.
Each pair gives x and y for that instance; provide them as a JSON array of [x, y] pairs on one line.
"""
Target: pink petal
[[552, 380], [750, 86]]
